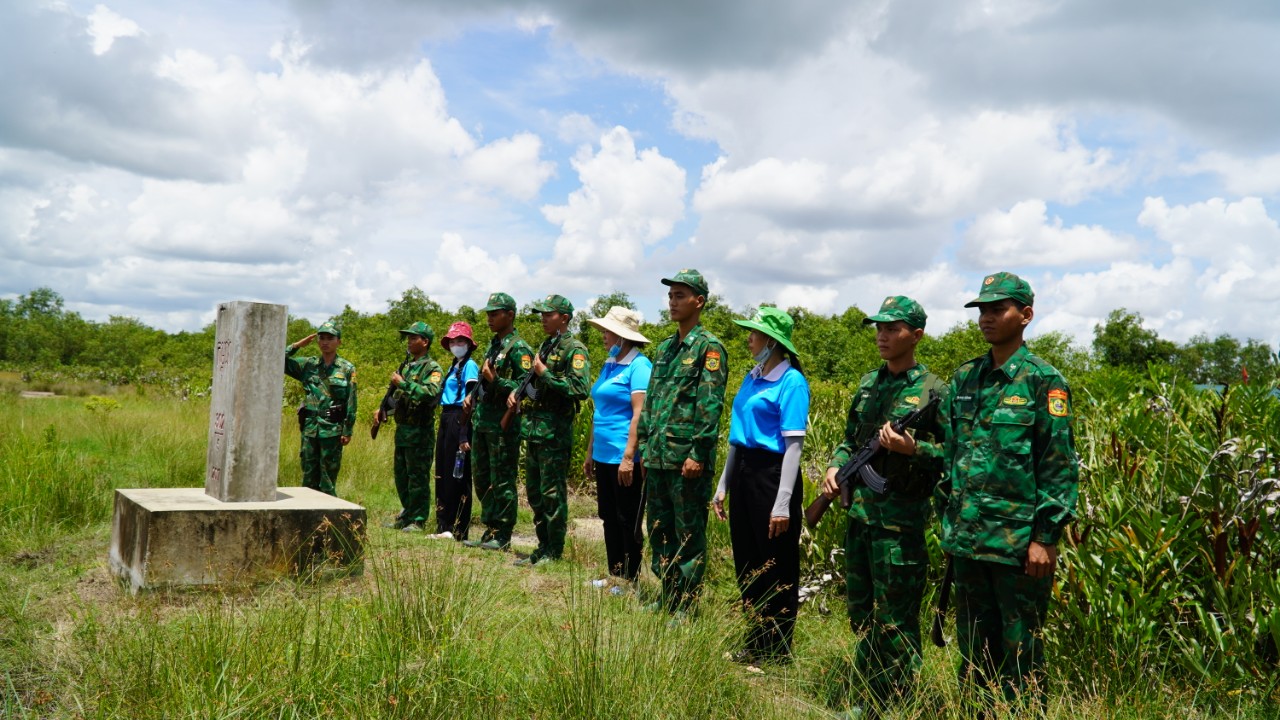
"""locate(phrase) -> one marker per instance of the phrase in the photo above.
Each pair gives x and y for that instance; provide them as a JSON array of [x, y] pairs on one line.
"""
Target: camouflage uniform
[[885, 558], [328, 414], [1012, 477], [681, 420], [496, 452], [415, 400], [547, 429]]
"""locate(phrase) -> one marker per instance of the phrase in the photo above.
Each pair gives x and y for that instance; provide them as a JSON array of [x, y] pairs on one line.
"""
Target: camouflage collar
[[1013, 365], [694, 331], [912, 373]]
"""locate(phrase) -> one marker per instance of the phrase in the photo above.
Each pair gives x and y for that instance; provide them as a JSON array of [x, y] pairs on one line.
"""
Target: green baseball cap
[[554, 303], [899, 307], [328, 328], [772, 322], [420, 329], [689, 277], [499, 301], [1001, 285]]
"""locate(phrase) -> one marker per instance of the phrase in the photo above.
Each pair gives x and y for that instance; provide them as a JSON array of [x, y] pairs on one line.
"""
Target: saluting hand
[[304, 341]]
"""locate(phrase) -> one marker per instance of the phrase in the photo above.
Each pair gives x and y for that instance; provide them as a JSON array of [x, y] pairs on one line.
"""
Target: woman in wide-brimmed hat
[[453, 437], [618, 396], [762, 474]]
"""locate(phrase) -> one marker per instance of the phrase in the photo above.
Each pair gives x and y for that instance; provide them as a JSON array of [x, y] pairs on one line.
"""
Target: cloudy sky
[[156, 158]]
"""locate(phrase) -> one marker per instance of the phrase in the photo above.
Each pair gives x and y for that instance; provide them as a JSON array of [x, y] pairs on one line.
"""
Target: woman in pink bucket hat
[[453, 438]]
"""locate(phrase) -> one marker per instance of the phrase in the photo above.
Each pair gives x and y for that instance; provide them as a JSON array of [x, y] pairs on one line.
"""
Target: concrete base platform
[[182, 536]]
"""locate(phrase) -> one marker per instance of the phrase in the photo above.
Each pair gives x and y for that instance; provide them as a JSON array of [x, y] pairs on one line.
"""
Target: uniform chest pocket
[[1011, 428]]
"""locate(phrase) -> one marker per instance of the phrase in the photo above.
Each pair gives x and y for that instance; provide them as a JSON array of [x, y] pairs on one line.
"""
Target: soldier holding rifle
[[413, 406], [885, 558], [495, 449], [557, 384]]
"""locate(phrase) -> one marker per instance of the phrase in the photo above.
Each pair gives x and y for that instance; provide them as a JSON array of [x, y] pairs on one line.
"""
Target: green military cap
[[420, 329], [328, 328], [1001, 285], [899, 307], [499, 301], [689, 277], [772, 322], [554, 303]]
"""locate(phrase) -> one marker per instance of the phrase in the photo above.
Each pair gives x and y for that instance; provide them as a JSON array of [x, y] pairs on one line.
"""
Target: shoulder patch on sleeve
[[1058, 403], [713, 360], [435, 376], [579, 361]]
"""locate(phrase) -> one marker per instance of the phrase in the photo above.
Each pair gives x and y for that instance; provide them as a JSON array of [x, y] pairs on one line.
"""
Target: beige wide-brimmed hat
[[621, 322]]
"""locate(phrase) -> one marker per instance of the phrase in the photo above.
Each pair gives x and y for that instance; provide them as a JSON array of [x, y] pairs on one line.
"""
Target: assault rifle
[[524, 388], [860, 464], [388, 404]]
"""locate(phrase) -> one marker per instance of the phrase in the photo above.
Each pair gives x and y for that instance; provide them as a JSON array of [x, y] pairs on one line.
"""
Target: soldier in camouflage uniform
[[885, 558], [496, 452], [328, 413], [416, 396], [547, 412], [677, 435], [1010, 488]]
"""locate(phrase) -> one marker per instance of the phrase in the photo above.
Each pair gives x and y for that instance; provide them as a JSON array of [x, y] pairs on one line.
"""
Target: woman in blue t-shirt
[[453, 438], [762, 473], [618, 396]]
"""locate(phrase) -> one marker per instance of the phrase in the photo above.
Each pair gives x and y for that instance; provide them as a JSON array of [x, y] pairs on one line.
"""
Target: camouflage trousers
[[677, 513], [321, 460], [999, 612], [415, 451], [885, 575], [495, 458], [546, 484]]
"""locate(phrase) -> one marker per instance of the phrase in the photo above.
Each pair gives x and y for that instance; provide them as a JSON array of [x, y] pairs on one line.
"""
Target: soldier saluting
[[328, 413], [677, 436], [496, 451]]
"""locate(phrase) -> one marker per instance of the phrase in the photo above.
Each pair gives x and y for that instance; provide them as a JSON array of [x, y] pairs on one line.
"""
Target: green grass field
[[435, 630]]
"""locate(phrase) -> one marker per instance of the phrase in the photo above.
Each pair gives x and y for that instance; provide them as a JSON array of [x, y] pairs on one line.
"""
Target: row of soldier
[[994, 456]]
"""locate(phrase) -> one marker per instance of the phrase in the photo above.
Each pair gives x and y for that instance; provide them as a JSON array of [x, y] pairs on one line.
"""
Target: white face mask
[[459, 350]]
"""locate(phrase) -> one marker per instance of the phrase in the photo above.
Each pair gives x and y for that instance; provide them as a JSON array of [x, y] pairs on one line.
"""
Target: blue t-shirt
[[612, 396], [768, 408], [455, 388]]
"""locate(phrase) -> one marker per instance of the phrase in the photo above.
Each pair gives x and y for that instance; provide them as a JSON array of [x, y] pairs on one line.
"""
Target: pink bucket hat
[[459, 329]]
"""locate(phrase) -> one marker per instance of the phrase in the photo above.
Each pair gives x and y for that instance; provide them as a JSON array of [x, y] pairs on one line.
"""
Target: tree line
[[38, 331]]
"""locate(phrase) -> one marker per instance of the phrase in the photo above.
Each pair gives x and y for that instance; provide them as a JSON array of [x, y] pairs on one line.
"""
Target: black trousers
[[453, 495], [621, 509], [768, 569]]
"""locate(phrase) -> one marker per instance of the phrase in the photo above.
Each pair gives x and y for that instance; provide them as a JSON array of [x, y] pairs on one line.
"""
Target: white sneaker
[[602, 582], [446, 535]]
